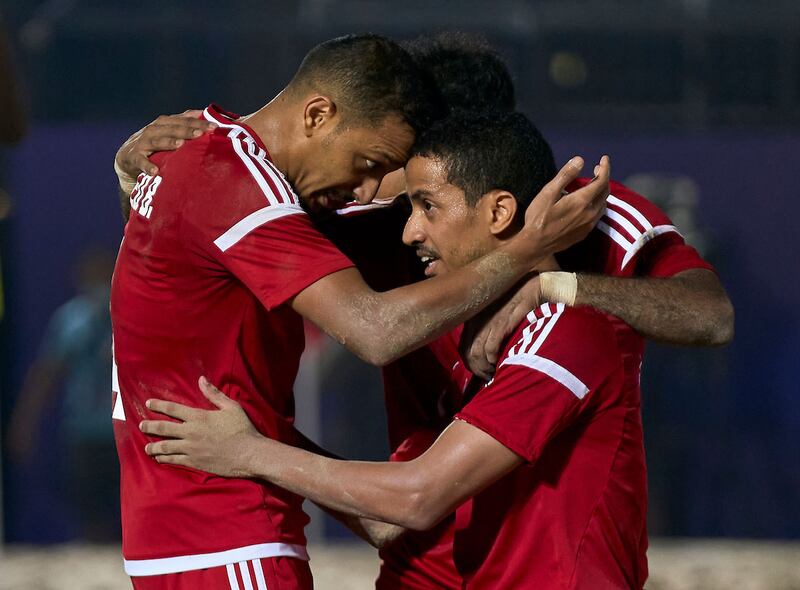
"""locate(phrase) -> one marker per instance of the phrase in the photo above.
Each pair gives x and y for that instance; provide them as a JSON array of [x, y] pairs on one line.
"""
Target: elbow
[[425, 509], [375, 349], [721, 329]]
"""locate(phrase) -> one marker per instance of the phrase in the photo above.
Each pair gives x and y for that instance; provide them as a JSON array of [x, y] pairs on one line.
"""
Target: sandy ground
[[674, 565]]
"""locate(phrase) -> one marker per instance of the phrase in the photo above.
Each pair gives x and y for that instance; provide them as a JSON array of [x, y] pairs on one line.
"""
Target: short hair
[[371, 78], [468, 71], [486, 151]]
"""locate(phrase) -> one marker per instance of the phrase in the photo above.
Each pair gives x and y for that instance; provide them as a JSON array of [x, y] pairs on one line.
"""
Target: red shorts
[[268, 573]]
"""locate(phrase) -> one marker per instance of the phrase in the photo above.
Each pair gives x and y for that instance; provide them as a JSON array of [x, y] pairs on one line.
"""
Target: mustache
[[422, 252]]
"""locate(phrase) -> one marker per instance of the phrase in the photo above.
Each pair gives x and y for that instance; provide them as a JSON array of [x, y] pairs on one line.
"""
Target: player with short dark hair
[[372, 76], [219, 262], [469, 73], [420, 399], [550, 451]]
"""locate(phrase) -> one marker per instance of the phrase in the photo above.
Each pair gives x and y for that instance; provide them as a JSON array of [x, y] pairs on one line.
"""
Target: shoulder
[[629, 223], [576, 346], [236, 148]]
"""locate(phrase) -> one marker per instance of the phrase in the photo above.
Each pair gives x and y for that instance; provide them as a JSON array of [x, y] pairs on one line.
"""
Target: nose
[[412, 232], [366, 191]]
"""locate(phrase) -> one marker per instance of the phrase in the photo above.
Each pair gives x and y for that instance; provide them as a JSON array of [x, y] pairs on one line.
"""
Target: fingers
[[174, 460], [171, 409], [138, 161], [166, 133], [166, 447], [214, 395], [163, 428], [553, 190], [183, 126]]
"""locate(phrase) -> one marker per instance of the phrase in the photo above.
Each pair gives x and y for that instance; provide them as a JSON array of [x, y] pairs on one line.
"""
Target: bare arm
[[381, 327], [415, 494], [688, 309], [374, 532]]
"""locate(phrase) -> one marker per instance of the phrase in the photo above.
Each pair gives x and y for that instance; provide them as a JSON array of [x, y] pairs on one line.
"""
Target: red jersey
[[566, 399], [633, 238], [216, 245]]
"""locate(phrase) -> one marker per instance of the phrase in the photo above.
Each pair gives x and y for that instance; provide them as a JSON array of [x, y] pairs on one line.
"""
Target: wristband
[[559, 287], [126, 182]]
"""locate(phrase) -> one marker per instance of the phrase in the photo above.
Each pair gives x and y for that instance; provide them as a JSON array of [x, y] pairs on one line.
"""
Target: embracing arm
[[381, 327], [166, 133], [374, 532], [689, 308], [415, 494]]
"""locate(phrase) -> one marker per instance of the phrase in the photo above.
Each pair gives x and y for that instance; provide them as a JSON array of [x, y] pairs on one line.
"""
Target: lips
[[430, 260]]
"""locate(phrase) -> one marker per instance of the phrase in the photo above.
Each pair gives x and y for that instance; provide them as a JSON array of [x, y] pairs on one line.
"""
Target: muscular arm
[[690, 308], [381, 327], [415, 494]]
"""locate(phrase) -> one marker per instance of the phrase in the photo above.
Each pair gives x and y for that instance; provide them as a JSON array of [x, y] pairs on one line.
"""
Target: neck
[[272, 123]]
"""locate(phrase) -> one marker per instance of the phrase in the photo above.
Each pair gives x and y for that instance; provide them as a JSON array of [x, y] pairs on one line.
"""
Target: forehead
[[426, 174], [392, 139], [427, 177]]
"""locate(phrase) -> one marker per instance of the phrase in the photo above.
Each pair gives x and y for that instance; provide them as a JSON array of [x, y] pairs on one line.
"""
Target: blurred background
[[697, 101]]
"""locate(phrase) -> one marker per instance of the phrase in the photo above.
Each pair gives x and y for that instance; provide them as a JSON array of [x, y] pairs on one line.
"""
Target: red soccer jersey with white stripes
[[633, 238], [216, 245], [566, 400]]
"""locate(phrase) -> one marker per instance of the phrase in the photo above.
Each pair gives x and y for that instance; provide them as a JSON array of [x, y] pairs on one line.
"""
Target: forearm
[[690, 308], [125, 204], [376, 533], [382, 327], [387, 492]]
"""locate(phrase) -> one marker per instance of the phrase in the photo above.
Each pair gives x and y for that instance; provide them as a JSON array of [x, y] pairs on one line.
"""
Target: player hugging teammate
[[534, 477]]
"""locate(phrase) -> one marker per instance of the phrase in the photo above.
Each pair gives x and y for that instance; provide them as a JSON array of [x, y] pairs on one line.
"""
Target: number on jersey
[[143, 193]]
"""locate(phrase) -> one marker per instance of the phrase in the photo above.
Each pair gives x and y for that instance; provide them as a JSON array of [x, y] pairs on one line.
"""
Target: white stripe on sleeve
[[254, 221], [630, 209], [248, 583], [551, 369], [646, 237], [234, 583], [261, 582]]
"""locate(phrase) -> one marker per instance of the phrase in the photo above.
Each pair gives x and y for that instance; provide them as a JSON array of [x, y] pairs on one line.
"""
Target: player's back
[[183, 305]]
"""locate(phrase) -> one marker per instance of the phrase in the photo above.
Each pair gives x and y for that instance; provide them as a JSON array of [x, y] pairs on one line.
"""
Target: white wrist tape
[[559, 287], [126, 182]]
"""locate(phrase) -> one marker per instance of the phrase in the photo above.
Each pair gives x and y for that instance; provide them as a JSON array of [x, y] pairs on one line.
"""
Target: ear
[[320, 112], [500, 210]]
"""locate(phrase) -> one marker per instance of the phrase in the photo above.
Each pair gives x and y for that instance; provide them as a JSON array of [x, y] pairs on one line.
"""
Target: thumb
[[214, 395]]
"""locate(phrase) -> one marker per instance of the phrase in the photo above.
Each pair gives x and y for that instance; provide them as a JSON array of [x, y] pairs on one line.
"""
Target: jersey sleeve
[[279, 257], [253, 225], [563, 361], [633, 238]]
